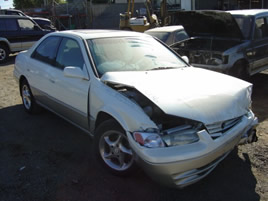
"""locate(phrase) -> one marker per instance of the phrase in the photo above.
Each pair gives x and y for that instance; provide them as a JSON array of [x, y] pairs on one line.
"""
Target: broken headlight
[[185, 134], [150, 140]]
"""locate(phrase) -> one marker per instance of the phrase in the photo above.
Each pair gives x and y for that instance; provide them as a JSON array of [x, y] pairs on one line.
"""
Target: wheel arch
[[240, 62], [5, 42], [22, 78], [104, 116]]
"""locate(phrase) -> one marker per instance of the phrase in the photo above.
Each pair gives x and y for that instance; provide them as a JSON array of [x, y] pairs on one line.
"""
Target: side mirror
[[185, 58], [75, 72]]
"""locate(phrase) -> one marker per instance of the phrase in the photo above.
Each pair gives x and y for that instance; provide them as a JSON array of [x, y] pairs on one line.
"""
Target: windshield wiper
[[163, 68]]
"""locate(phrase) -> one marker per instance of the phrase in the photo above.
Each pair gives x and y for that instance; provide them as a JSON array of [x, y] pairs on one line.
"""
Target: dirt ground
[[44, 158]]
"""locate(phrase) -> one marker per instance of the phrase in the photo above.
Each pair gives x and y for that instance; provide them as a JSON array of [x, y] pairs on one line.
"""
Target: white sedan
[[140, 101]]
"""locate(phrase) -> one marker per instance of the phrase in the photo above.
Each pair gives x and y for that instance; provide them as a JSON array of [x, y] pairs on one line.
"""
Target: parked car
[[168, 34], [140, 101], [44, 23], [17, 33], [233, 42]]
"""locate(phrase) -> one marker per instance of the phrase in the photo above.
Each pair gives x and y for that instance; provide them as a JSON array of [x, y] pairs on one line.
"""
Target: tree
[[19, 4]]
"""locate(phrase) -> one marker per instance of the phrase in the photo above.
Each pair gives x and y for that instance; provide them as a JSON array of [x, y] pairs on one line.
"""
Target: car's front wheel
[[240, 70], [112, 148], [4, 53], [28, 100]]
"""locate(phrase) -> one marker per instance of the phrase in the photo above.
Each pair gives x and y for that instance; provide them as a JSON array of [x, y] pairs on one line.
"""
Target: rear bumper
[[181, 166]]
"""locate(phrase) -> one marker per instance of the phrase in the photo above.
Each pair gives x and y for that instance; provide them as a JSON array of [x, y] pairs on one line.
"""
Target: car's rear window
[[8, 25], [163, 36]]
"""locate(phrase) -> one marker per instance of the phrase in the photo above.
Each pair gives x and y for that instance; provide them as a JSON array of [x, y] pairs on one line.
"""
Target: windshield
[[245, 23], [131, 54]]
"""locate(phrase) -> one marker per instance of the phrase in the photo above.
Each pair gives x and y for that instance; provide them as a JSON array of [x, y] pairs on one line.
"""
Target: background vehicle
[[108, 84], [42, 22], [233, 42], [17, 33], [168, 34]]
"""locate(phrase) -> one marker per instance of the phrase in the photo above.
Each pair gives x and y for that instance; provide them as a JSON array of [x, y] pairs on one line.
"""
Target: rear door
[[66, 96]]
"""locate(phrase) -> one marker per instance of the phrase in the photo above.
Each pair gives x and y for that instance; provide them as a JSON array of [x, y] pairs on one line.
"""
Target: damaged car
[[231, 42], [140, 101]]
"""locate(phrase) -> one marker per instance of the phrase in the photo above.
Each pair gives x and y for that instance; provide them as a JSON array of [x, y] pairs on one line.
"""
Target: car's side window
[[25, 24], [46, 51], [11, 13], [11, 25], [260, 28], [69, 54]]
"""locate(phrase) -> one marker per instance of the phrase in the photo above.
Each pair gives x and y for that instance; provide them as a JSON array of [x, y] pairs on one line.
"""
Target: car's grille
[[186, 178], [218, 129]]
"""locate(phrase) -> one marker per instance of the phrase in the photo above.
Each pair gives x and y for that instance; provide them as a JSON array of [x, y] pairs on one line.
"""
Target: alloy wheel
[[115, 150], [26, 97]]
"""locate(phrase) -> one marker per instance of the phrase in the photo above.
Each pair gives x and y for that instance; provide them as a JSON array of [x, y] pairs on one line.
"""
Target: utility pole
[[45, 3]]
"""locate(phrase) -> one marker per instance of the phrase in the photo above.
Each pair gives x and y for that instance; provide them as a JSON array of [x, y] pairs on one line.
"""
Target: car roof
[[98, 33], [166, 29], [248, 12], [14, 16], [12, 10]]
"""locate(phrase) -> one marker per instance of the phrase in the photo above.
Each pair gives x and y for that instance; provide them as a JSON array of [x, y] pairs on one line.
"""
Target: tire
[[112, 149], [28, 100], [4, 53], [240, 70]]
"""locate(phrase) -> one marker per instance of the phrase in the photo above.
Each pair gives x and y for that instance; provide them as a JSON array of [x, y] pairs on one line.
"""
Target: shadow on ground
[[11, 60], [43, 157]]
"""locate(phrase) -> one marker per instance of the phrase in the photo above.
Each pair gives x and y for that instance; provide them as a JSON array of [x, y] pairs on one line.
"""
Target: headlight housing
[[149, 140], [181, 135]]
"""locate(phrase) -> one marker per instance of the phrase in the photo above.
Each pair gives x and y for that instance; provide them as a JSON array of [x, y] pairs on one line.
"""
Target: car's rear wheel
[[112, 148], [4, 53], [28, 100]]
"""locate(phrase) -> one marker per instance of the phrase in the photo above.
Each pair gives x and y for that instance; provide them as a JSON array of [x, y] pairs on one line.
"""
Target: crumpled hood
[[191, 93], [209, 23]]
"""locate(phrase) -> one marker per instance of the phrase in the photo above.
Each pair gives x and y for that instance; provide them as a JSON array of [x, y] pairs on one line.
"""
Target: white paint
[[192, 93]]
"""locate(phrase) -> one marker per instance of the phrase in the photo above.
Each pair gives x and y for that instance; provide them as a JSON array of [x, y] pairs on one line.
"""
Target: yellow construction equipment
[[144, 20]]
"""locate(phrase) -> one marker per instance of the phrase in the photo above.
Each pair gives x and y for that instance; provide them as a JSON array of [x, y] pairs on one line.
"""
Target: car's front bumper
[[180, 166]]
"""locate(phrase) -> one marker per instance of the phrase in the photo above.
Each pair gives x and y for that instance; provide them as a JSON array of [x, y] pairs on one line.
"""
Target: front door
[[260, 45]]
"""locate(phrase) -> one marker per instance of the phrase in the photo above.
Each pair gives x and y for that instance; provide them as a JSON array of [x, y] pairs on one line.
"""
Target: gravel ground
[[42, 157]]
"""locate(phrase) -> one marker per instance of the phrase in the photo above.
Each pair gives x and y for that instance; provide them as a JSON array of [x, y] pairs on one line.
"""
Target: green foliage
[[19, 4]]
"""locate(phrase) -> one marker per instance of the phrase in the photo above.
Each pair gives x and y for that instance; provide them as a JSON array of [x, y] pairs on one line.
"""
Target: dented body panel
[[177, 95]]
